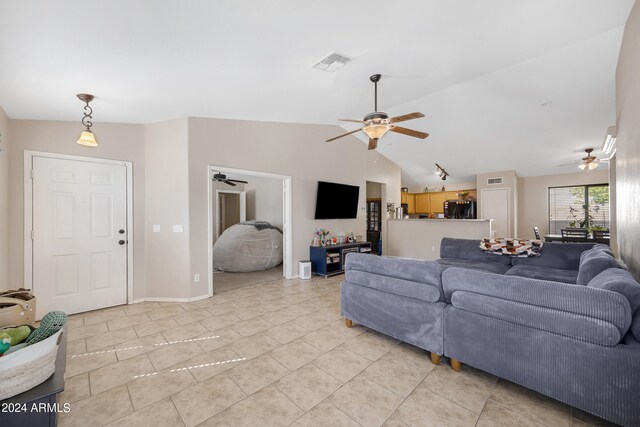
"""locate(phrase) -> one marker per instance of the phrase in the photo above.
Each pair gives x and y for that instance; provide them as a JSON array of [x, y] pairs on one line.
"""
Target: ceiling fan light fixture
[[582, 166], [593, 165], [376, 131]]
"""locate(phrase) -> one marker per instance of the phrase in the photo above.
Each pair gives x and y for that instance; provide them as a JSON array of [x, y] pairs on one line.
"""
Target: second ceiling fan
[[377, 124]]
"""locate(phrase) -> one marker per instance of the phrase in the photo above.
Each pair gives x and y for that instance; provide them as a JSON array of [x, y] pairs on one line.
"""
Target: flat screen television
[[336, 201]]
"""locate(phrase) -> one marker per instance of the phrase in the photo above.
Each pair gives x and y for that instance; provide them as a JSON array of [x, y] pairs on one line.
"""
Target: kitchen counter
[[420, 238]]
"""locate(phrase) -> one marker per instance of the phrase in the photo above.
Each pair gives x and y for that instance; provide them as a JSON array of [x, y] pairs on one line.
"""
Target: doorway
[[231, 209], [237, 257], [77, 228], [374, 216], [496, 206]]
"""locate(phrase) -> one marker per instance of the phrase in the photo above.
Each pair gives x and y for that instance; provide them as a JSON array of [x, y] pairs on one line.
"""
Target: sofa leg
[[435, 358], [456, 365], [348, 322]]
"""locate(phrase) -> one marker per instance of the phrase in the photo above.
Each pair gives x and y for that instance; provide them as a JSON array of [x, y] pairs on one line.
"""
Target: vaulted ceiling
[[481, 71]]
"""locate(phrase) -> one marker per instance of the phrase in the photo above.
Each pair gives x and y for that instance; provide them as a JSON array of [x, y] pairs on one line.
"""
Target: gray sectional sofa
[[566, 323]]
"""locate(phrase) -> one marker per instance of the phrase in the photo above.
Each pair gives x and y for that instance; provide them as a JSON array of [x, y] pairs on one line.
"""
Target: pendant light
[[87, 137]]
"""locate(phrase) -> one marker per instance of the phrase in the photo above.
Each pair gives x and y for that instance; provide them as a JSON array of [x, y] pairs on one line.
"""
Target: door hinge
[[31, 234], [32, 174]]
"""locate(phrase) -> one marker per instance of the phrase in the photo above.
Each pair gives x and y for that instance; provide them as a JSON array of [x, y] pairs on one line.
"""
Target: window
[[581, 206]]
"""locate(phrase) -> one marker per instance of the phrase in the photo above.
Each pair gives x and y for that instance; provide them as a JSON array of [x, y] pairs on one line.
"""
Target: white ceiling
[[479, 70]]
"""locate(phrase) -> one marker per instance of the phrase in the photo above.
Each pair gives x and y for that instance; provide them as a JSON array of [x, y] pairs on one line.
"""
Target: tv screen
[[336, 201]]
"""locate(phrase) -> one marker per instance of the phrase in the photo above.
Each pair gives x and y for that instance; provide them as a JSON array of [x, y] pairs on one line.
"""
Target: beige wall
[[374, 190], [628, 142], [510, 181], [448, 186], [420, 238], [117, 142], [264, 200], [297, 150], [533, 191], [167, 204], [4, 201]]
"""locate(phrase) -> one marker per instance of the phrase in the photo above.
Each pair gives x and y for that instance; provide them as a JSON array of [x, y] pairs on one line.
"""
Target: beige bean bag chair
[[248, 246]]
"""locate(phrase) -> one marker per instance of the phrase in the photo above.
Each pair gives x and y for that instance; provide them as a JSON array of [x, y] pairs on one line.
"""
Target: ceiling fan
[[589, 162], [220, 177], [376, 124]]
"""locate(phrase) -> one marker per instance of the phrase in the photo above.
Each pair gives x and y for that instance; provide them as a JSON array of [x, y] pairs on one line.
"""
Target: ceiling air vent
[[332, 62], [493, 181]]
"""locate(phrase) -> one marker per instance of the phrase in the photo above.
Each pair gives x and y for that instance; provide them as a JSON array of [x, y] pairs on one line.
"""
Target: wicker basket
[[28, 367]]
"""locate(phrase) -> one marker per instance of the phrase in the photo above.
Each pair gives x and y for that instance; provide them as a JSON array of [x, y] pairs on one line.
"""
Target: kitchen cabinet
[[411, 203], [423, 203], [433, 202], [437, 201]]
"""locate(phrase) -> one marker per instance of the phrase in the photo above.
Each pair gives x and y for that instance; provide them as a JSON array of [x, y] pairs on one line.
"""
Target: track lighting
[[443, 174]]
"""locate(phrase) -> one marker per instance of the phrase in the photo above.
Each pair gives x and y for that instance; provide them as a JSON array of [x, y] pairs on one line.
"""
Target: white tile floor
[[276, 353]]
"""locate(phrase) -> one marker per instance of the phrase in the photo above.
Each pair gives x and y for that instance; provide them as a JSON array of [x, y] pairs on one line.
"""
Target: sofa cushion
[[565, 256], [490, 267], [451, 248], [394, 285], [602, 247], [635, 326], [407, 277], [543, 273], [592, 263], [622, 282]]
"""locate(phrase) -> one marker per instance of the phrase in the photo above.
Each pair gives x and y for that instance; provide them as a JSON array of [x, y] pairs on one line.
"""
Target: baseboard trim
[[163, 299]]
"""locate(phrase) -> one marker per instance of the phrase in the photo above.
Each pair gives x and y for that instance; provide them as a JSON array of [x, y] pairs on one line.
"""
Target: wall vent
[[494, 181], [332, 62]]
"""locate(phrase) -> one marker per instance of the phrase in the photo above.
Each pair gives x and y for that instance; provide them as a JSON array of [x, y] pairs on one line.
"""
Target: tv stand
[[329, 260]]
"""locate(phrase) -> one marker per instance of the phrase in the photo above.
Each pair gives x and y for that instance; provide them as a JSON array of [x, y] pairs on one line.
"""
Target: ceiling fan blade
[[238, 180], [410, 132], [570, 164], [406, 117], [373, 144], [350, 120], [344, 134], [226, 181]]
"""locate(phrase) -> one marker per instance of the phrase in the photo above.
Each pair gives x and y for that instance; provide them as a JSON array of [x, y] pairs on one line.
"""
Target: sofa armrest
[[590, 303]]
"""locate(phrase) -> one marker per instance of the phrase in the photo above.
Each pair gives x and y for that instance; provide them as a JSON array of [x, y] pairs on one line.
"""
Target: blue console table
[[329, 260]]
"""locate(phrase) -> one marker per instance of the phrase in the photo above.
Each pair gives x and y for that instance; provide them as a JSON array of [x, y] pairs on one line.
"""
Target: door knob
[[121, 231], [121, 242]]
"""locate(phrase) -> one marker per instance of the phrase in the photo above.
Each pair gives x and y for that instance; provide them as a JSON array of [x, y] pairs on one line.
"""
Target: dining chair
[[570, 234]]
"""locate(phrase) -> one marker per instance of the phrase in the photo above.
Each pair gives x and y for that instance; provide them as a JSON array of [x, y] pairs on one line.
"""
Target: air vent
[[332, 62], [493, 181]]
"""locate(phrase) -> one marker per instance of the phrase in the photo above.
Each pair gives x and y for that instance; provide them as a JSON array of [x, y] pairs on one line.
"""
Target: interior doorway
[[231, 209], [376, 209], [250, 228]]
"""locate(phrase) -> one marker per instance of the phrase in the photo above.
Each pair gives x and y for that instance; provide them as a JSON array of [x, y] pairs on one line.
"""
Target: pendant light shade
[[376, 131], [87, 138]]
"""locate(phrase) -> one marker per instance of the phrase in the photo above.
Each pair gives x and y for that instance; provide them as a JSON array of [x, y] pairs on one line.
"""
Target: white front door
[[79, 235]]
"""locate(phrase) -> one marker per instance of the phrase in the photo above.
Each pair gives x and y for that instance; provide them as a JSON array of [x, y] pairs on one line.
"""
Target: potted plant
[[463, 195]]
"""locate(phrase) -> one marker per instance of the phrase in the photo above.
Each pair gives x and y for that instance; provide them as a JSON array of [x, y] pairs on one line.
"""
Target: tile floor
[[277, 353], [230, 281]]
